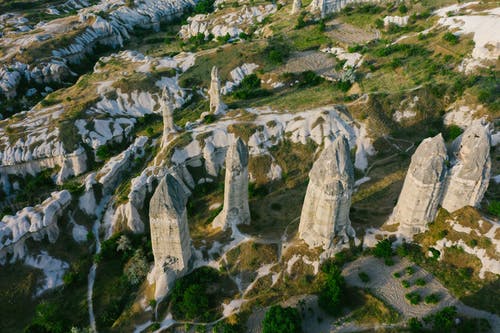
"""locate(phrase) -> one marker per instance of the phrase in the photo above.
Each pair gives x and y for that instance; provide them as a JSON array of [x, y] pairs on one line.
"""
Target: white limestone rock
[[296, 6], [235, 209], [169, 233], [167, 111], [422, 189], [324, 220], [32, 222], [401, 21], [217, 107], [470, 173]]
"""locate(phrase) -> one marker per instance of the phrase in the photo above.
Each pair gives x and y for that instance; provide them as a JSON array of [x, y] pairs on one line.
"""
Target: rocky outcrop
[[111, 172], [235, 209], [169, 233], [324, 220], [216, 105], [471, 167], [31, 222], [423, 187], [88, 29], [296, 6], [325, 7], [167, 112], [400, 21]]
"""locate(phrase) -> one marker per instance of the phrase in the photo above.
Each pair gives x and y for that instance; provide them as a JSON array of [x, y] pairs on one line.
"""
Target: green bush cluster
[[413, 297], [333, 290], [282, 320]]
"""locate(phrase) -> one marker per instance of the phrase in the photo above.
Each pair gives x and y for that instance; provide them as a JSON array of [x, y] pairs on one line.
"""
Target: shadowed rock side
[[470, 174], [169, 233], [325, 213], [167, 111], [235, 209], [216, 104], [423, 186]]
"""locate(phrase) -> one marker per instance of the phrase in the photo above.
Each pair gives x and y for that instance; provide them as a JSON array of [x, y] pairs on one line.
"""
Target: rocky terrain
[[196, 166]]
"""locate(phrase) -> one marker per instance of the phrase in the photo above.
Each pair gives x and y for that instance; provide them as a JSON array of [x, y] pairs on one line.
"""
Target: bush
[[413, 297], [310, 79], [451, 38], [249, 88], [415, 325], [420, 282], [137, 267], [364, 277], [204, 7], [300, 21], [103, 152], [330, 297], [443, 321], [405, 283], [277, 51], [452, 132], [383, 249], [397, 275], [281, 320], [432, 298], [494, 208], [403, 9], [410, 270]]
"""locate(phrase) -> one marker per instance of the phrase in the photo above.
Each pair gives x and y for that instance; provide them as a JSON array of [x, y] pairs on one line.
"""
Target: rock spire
[[468, 179], [167, 112], [325, 212], [216, 105], [170, 237], [235, 209], [423, 186]]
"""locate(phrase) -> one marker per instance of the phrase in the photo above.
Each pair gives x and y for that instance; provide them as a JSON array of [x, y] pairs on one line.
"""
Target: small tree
[[332, 292], [281, 320], [137, 267], [383, 249]]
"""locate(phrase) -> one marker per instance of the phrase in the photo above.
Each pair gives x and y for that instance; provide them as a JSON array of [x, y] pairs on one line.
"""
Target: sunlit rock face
[[469, 176], [216, 104], [296, 6], [235, 209], [170, 237], [167, 112], [325, 214], [423, 186]]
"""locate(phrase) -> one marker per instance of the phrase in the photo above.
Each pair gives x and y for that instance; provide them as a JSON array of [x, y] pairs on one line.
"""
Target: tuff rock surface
[[296, 6], [471, 167], [167, 112], [423, 187], [325, 212], [216, 105], [235, 209], [169, 233], [31, 222]]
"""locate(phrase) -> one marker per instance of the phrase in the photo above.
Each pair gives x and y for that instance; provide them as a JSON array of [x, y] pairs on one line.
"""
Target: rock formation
[[32, 222], [235, 209], [216, 104], [167, 111], [296, 6], [325, 212], [469, 176], [169, 233], [326, 7], [423, 186]]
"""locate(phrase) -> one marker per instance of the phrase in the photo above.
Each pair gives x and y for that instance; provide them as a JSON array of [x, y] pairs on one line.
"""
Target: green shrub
[[452, 132], [415, 326], [397, 275], [204, 7], [443, 321], [277, 50], [403, 9], [383, 249], [420, 282], [410, 270], [405, 283], [281, 320], [413, 297], [432, 298], [451, 38], [494, 208], [300, 21], [332, 292]]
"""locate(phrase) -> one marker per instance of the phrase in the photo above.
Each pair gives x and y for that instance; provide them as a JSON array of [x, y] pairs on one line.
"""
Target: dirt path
[[384, 284]]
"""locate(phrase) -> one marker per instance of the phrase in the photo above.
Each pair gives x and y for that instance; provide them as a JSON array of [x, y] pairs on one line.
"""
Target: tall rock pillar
[[235, 209], [167, 112], [325, 212], [296, 6], [422, 189], [216, 104], [470, 174], [169, 233]]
